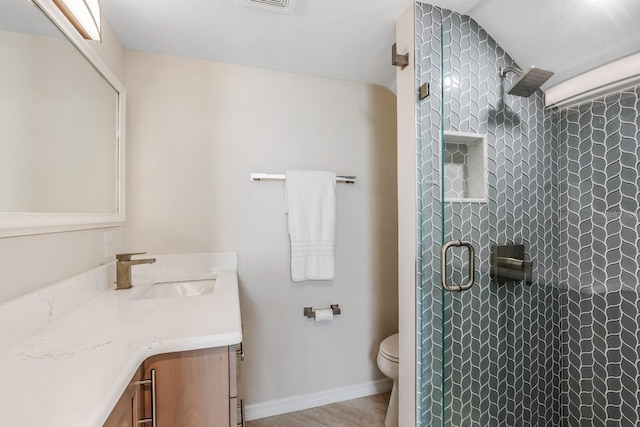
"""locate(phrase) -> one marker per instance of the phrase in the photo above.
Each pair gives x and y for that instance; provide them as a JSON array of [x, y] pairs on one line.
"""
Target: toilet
[[388, 365]]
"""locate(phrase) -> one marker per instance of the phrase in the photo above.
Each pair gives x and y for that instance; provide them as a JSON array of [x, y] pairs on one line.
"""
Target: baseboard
[[297, 403]]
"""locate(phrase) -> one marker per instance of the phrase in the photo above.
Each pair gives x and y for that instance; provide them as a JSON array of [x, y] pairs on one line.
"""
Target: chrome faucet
[[123, 268]]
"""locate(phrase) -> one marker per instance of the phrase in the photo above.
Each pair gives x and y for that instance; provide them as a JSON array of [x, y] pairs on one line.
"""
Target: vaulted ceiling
[[342, 39], [351, 39], [568, 37]]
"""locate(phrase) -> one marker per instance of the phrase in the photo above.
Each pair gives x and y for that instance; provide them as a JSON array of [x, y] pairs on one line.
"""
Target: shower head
[[528, 81]]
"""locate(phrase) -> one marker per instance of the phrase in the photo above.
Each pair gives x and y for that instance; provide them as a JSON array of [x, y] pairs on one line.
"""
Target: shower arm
[[505, 70]]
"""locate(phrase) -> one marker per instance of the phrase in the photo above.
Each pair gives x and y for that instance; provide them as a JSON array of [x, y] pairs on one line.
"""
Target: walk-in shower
[[550, 193]]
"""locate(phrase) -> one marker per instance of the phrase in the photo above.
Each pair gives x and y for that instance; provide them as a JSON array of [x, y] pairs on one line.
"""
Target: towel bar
[[259, 176], [311, 314]]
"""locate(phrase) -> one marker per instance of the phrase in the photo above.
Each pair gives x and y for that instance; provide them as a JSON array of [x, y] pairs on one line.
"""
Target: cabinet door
[[192, 388], [128, 409]]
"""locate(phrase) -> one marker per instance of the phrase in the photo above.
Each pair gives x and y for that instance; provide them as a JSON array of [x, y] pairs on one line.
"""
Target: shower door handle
[[443, 266]]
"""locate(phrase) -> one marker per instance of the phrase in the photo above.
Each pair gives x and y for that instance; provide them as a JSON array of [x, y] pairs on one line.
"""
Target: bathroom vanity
[[75, 353], [195, 388]]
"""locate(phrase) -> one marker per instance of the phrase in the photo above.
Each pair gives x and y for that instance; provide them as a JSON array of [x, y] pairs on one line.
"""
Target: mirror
[[60, 117]]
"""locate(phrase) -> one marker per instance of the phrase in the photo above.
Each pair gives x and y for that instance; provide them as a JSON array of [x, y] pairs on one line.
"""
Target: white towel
[[311, 205]]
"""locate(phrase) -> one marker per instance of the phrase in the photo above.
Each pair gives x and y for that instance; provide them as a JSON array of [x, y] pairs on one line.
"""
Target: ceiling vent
[[278, 6]]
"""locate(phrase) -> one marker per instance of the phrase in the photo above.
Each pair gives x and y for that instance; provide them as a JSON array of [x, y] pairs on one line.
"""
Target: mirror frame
[[25, 223]]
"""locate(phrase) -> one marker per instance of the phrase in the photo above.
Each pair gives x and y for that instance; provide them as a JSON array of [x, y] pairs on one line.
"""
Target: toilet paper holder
[[311, 314]]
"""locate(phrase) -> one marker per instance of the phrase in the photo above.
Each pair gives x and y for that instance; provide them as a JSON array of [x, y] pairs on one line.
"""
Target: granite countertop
[[72, 371]]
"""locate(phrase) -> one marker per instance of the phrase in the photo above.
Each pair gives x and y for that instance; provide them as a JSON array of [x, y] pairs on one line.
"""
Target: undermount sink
[[176, 289]]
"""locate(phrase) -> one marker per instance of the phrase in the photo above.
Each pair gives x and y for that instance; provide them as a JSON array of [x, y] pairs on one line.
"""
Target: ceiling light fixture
[[84, 15]]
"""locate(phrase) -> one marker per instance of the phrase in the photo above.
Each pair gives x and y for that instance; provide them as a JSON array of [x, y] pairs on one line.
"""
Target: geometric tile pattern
[[497, 347], [429, 354], [566, 350], [600, 259], [501, 365], [456, 171]]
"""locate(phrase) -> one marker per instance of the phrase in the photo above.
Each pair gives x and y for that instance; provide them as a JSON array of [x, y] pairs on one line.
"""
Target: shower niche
[[465, 167]]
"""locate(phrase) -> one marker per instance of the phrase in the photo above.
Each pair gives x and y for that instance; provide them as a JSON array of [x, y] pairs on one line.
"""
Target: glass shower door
[[496, 174], [473, 339]]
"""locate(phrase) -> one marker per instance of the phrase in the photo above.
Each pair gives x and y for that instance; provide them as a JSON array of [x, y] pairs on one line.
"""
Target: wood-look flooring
[[364, 412]]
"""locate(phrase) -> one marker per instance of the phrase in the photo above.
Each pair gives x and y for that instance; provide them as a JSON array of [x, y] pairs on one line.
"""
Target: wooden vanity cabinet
[[193, 389], [129, 408]]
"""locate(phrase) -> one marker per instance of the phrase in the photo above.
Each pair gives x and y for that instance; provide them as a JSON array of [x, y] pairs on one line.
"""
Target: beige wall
[[196, 130], [31, 262], [110, 50]]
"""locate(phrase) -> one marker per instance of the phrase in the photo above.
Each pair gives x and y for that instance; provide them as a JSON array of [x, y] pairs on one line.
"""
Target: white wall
[[407, 212], [31, 262], [196, 130]]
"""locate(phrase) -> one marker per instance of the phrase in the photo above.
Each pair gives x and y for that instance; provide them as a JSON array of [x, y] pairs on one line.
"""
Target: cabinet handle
[[152, 382], [240, 351], [241, 407]]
